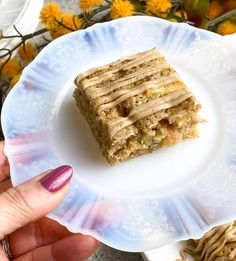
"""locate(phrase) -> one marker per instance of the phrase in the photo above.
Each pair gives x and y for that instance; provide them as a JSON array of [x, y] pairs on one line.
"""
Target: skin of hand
[[32, 236]]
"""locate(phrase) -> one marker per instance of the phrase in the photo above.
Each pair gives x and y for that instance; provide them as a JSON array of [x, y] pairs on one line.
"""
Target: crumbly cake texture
[[136, 105]]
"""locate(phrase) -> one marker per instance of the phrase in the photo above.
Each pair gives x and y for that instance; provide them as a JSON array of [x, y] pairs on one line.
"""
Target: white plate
[[166, 253], [149, 201], [172, 252]]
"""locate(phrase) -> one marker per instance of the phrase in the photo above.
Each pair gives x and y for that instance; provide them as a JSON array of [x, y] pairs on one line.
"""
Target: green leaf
[[190, 4], [233, 18]]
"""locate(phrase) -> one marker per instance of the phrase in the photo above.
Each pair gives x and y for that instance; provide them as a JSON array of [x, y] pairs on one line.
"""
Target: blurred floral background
[[217, 15]]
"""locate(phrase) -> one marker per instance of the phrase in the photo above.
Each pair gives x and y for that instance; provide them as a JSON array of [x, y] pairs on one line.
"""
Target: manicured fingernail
[[57, 178]]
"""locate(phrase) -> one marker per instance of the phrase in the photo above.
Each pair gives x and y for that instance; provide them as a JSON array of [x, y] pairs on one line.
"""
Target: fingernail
[[57, 178]]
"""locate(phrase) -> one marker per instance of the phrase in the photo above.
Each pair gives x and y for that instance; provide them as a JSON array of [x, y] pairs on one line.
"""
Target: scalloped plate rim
[[26, 70]]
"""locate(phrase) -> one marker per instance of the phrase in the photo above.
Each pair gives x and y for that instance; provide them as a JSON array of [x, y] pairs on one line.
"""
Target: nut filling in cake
[[136, 105]]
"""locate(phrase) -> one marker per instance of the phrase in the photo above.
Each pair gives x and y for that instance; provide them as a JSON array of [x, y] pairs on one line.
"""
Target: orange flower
[[15, 79], [214, 10], [178, 14], [158, 7], [68, 20], [27, 52], [11, 68], [59, 31], [49, 14], [88, 5], [71, 21], [121, 8], [226, 27]]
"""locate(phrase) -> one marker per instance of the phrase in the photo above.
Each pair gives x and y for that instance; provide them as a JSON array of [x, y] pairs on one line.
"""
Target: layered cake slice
[[136, 105]]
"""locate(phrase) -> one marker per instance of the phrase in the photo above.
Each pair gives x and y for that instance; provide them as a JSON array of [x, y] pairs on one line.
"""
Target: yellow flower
[[226, 27], [121, 8], [71, 21], [11, 68], [88, 5], [158, 7], [214, 10], [49, 14], [229, 5], [59, 31], [178, 14], [28, 52], [15, 79]]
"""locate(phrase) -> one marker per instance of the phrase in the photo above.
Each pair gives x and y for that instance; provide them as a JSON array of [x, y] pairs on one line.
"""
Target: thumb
[[33, 199]]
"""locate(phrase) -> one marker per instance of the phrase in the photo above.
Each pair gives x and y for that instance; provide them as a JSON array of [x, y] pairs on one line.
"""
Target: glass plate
[[167, 253], [172, 252], [172, 194]]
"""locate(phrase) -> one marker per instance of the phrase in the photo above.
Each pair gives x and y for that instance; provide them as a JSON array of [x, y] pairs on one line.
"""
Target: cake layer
[[134, 97]]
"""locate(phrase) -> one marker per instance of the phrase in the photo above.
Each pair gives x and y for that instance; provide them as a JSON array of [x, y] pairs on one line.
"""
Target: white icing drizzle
[[147, 109], [110, 75], [116, 98], [119, 90], [127, 79], [118, 65], [114, 64]]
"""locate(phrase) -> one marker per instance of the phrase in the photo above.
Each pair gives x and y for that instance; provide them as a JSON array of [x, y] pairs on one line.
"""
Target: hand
[[31, 235]]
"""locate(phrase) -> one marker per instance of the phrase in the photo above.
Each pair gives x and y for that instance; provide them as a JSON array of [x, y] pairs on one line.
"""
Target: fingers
[[5, 185], [47, 231], [4, 166], [76, 247], [33, 199], [2, 255], [41, 233], [79, 247]]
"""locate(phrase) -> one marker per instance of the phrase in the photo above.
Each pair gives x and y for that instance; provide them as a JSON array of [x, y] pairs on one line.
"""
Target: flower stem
[[39, 32], [24, 38], [65, 26], [221, 18], [99, 10]]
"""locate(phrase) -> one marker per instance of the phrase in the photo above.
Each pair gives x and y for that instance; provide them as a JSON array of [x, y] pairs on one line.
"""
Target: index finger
[[4, 166]]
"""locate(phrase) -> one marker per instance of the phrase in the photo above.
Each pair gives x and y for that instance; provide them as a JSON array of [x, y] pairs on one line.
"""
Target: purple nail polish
[[57, 178]]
